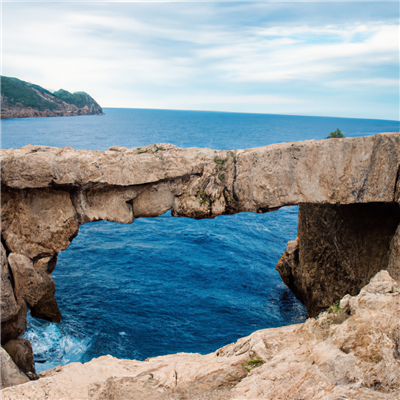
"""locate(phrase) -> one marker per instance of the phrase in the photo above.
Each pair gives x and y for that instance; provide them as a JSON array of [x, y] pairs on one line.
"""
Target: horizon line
[[250, 112]]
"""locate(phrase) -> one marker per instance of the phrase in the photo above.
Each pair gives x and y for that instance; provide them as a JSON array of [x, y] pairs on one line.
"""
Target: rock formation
[[339, 248], [347, 190], [350, 352]]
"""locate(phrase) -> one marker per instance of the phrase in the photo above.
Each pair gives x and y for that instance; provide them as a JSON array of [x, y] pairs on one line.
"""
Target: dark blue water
[[165, 285]]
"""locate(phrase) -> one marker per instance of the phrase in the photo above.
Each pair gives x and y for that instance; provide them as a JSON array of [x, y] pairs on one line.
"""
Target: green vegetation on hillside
[[14, 91], [336, 134], [80, 99]]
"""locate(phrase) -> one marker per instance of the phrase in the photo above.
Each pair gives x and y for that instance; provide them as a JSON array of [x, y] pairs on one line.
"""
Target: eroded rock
[[36, 288], [349, 353], [37, 223], [20, 351], [47, 193], [16, 325], [394, 256], [340, 247], [9, 305], [10, 373]]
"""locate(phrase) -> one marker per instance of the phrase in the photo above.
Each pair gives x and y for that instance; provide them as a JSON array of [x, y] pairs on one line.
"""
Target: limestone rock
[[394, 256], [38, 223], [346, 171], [36, 288], [9, 306], [10, 374], [349, 353], [288, 263], [20, 351], [349, 195], [16, 325], [340, 247]]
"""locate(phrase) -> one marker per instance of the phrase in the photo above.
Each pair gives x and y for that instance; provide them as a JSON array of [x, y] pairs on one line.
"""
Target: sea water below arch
[[164, 285]]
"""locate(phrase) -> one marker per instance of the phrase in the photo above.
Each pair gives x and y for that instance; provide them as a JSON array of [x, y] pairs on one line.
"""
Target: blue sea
[[166, 285]]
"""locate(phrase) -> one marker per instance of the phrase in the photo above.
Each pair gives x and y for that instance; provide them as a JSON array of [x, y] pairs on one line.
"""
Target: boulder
[[10, 373], [9, 305], [20, 351], [36, 288], [16, 325]]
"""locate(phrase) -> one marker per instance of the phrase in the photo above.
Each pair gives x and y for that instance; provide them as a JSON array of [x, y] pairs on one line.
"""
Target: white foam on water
[[53, 345]]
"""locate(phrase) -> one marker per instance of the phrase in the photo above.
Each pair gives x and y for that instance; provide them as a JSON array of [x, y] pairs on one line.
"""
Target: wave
[[54, 344]]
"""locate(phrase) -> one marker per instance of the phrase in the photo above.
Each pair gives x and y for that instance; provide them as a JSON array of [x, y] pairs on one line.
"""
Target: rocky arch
[[47, 193]]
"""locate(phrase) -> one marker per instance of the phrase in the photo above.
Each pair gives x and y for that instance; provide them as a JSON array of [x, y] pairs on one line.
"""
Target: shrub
[[335, 307], [336, 134], [249, 365]]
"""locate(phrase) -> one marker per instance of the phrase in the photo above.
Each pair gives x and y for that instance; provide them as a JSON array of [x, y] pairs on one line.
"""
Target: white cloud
[[139, 55]]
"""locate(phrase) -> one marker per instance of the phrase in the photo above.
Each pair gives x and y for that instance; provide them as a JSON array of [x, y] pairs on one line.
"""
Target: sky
[[299, 58]]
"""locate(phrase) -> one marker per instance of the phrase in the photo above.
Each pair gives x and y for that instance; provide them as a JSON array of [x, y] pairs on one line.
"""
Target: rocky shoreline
[[349, 221], [349, 352], [66, 110]]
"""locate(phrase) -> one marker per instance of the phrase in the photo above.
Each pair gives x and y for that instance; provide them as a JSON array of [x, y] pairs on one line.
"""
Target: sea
[[171, 284]]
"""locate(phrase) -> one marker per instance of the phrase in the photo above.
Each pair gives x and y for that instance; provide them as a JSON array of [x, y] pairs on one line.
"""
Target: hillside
[[21, 99]]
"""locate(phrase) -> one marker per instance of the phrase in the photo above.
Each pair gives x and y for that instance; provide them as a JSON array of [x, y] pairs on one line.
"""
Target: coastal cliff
[[338, 249], [21, 99], [349, 214], [351, 352]]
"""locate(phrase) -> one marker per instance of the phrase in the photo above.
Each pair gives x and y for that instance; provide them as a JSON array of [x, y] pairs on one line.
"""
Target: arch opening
[[165, 285]]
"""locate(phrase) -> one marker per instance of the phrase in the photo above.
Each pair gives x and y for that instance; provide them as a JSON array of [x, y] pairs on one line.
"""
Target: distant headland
[[21, 99]]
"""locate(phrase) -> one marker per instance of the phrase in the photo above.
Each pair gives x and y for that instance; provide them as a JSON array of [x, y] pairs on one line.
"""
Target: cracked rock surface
[[352, 353]]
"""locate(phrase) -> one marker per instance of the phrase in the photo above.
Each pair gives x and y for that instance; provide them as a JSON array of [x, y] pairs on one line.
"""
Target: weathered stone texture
[[9, 305], [348, 190], [10, 373], [394, 256], [345, 171], [37, 223], [340, 247], [36, 288], [350, 354], [16, 325], [20, 351]]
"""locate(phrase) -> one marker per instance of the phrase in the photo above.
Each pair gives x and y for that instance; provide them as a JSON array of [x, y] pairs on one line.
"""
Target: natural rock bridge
[[347, 189]]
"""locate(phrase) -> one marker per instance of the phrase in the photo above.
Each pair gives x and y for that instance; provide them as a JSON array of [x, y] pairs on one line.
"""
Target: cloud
[[252, 55]]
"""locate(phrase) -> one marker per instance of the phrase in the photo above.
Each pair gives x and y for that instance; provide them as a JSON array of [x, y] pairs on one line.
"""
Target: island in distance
[[21, 99]]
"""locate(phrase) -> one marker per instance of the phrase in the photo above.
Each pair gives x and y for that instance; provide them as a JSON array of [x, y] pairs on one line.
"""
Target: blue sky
[[305, 58]]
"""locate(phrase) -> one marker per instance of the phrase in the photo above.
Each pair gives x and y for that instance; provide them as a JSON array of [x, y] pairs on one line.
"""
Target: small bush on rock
[[336, 134], [335, 307], [249, 365]]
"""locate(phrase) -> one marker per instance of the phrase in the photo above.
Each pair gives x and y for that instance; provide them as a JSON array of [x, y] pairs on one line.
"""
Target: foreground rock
[[10, 373], [20, 351], [351, 353]]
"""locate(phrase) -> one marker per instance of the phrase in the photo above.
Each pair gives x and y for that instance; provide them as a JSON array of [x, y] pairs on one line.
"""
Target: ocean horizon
[[249, 112]]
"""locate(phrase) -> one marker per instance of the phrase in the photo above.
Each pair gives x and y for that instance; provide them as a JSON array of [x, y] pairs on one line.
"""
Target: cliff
[[21, 99], [349, 353], [338, 249], [347, 189]]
